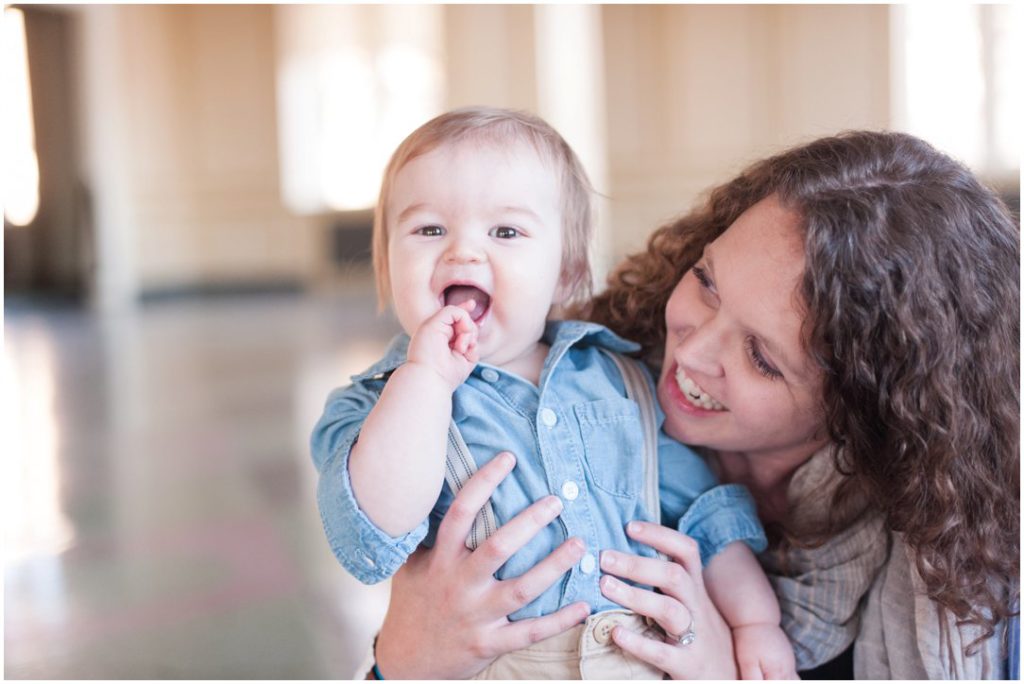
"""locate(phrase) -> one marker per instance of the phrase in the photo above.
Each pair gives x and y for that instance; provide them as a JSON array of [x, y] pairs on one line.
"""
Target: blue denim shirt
[[595, 443]]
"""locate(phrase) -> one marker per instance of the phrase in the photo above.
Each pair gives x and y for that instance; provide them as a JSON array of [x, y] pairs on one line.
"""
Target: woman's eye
[[702, 277], [430, 231], [504, 232], [760, 363]]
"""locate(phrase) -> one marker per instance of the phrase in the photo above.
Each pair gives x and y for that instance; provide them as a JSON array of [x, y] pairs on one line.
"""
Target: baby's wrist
[[427, 376]]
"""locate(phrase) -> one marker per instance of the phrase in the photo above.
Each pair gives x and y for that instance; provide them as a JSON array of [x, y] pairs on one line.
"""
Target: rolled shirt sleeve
[[366, 551], [720, 516], [693, 502]]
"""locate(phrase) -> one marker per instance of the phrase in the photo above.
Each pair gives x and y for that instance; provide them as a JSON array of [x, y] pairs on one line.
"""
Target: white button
[[361, 555], [489, 374], [587, 564], [548, 417], [570, 490]]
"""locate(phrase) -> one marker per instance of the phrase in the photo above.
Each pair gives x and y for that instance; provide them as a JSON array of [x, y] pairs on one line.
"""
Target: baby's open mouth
[[455, 295]]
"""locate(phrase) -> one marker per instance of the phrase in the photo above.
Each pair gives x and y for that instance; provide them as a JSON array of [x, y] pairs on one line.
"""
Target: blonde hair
[[501, 126]]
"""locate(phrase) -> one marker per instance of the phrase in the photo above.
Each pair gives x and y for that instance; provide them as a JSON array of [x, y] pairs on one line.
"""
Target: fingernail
[[577, 544], [607, 560], [609, 584], [507, 459], [633, 527], [555, 504]]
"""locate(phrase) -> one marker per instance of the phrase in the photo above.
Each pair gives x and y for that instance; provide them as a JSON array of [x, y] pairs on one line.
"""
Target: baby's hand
[[763, 652], [446, 343]]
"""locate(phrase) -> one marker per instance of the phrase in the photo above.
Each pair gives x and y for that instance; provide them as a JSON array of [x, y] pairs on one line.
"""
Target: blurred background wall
[[190, 147], [187, 204]]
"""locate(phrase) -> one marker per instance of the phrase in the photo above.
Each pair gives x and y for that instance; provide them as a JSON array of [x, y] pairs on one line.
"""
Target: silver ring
[[687, 637]]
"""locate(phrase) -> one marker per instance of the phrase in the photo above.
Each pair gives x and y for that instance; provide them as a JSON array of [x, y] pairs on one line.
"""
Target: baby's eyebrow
[[411, 209], [519, 210]]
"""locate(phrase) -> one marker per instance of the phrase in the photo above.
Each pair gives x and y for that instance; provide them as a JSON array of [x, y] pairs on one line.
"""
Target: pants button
[[603, 630]]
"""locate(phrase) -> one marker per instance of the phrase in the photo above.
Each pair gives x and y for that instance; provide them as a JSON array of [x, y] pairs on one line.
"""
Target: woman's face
[[736, 376]]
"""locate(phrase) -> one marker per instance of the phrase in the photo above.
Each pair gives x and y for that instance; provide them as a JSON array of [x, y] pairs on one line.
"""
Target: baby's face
[[481, 222]]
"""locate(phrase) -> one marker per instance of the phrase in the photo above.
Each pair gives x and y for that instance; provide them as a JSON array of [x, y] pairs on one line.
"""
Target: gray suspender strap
[[458, 467], [639, 390]]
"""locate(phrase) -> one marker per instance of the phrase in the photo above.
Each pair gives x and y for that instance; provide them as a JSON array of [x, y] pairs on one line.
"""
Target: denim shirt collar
[[559, 335], [394, 357]]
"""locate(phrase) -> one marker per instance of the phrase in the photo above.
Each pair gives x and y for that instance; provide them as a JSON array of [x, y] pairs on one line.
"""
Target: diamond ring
[[687, 637]]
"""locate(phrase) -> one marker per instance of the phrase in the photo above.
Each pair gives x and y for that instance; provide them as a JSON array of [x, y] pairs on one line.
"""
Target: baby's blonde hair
[[499, 126]]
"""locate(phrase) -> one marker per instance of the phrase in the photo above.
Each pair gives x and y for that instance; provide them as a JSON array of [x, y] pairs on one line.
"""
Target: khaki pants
[[584, 652]]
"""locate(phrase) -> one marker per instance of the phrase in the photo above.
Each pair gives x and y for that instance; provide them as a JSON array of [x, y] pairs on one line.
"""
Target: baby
[[480, 232]]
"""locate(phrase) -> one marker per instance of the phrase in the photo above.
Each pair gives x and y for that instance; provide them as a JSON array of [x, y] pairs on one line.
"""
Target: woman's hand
[[683, 603], [448, 614]]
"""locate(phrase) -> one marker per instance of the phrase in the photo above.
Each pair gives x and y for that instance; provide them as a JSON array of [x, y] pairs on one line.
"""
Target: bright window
[[21, 165], [957, 81], [353, 81]]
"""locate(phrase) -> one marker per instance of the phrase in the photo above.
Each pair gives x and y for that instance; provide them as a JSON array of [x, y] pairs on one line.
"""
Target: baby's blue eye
[[430, 231], [504, 232]]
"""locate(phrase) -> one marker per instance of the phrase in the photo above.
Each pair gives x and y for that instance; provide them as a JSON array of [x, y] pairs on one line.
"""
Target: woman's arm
[[448, 614]]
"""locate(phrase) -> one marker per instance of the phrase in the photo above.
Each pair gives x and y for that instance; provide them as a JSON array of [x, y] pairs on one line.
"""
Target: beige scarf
[[861, 586]]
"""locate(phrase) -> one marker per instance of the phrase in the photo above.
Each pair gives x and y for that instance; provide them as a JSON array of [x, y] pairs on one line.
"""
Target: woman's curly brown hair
[[912, 292]]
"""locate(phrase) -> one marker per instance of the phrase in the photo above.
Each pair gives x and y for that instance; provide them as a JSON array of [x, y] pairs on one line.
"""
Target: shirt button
[[570, 490], [489, 374], [548, 417], [587, 564], [367, 561]]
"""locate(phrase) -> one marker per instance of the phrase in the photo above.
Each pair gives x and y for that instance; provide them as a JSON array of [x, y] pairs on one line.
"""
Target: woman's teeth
[[696, 394]]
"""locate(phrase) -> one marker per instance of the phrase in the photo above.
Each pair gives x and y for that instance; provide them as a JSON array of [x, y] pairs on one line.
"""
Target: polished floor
[[159, 497]]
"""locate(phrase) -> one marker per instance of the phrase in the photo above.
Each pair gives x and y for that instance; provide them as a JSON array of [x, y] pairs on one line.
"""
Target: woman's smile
[[691, 395]]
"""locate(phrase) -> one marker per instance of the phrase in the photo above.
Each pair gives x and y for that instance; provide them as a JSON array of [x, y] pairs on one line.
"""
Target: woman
[[853, 303]]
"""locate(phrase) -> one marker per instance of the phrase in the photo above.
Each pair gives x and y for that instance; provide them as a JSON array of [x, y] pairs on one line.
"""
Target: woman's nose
[[699, 351]]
